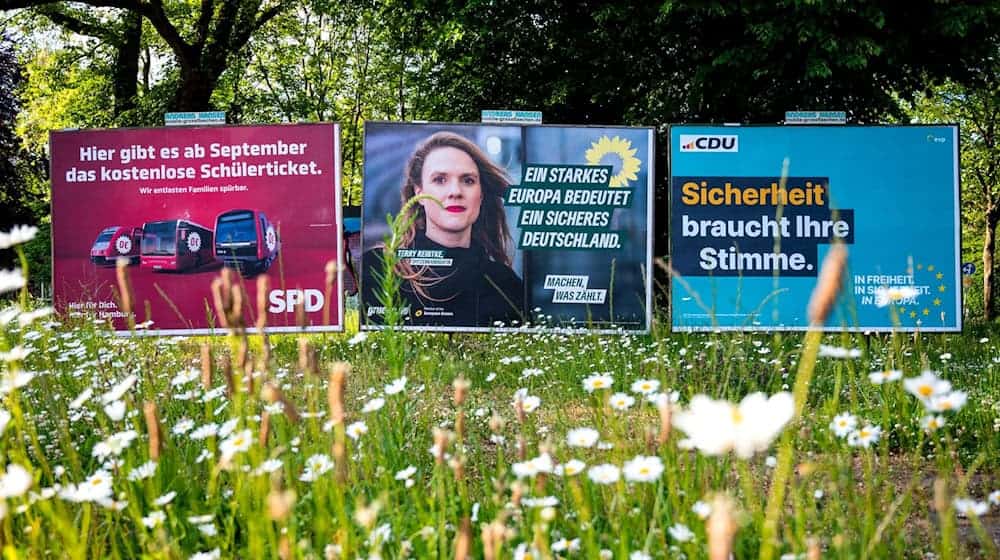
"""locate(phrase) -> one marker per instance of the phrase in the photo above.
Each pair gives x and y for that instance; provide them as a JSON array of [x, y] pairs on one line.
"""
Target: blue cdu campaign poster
[[753, 211]]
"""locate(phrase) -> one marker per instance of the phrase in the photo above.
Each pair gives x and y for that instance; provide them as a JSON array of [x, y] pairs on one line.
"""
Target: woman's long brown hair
[[490, 229]]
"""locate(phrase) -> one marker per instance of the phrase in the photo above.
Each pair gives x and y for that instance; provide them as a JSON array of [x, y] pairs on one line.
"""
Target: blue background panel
[[897, 184]]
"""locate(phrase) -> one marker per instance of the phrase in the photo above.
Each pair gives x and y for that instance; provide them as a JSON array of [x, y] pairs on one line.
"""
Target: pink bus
[[115, 242], [246, 240], [175, 245]]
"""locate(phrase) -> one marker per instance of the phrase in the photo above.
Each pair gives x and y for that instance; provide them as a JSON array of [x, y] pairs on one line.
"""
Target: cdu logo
[[710, 143]]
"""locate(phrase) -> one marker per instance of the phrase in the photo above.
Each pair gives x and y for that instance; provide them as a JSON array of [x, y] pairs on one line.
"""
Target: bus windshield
[[236, 228], [159, 238]]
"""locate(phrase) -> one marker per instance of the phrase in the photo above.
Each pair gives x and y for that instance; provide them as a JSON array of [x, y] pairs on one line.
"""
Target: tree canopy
[[101, 63]]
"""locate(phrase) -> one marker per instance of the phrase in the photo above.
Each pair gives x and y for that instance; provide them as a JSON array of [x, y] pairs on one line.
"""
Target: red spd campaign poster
[[179, 204]]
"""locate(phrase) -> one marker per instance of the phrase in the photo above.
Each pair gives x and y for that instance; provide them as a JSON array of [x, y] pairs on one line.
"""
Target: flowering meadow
[[406, 445]]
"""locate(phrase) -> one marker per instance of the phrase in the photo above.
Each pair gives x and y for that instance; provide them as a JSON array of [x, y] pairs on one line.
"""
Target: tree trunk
[[126, 71], [989, 242], [195, 90]]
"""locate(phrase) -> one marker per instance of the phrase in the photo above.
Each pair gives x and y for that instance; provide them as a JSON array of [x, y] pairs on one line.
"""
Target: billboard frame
[[957, 175], [218, 330], [647, 273]]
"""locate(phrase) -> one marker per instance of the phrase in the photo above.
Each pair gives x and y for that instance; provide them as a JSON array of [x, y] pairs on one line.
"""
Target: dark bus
[[175, 245], [246, 240], [115, 242]]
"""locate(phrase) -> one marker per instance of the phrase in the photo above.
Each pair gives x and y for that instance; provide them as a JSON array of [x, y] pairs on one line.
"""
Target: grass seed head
[[227, 374], [440, 444], [300, 314], [496, 423], [328, 284], [206, 366], [461, 386], [236, 308], [463, 541], [280, 503], [307, 356], [828, 284], [812, 549], [273, 394], [153, 429], [335, 391], [263, 289], [125, 292], [666, 418], [457, 465], [265, 428], [721, 528]]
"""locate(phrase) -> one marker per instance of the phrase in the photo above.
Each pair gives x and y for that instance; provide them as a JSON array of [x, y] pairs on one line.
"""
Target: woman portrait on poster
[[460, 220]]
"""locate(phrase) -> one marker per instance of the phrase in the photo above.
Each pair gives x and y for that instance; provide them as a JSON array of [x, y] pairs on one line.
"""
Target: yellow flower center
[[644, 470], [598, 383], [737, 416], [925, 390]]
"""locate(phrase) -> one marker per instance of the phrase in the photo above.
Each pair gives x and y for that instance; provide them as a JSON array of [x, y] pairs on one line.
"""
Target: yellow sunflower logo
[[620, 155]]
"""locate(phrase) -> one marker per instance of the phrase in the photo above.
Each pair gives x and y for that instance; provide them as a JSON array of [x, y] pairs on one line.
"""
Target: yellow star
[[927, 311], [939, 275], [913, 314], [941, 288], [920, 267], [930, 268], [937, 301]]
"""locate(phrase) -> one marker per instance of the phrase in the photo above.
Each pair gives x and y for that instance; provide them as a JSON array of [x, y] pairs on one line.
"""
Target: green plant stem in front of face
[[390, 283]]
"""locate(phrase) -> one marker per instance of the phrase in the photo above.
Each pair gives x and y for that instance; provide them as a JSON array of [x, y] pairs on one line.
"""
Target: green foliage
[[856, 501], [59, 93], [976, 109], [682, 62], [21, 202]]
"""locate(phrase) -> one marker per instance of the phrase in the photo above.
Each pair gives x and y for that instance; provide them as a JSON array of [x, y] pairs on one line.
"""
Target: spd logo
[[710, 143], [285, 300]]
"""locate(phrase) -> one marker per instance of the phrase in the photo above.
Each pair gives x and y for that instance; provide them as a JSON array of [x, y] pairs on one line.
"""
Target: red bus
[[114, 242], [176, 245], [246, 240]]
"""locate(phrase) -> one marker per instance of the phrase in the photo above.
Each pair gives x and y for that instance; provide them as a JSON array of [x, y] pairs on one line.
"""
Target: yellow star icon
[[939, 275], [930, 268], [920, 267], [941, 288], [937, 301], [927, 311], [913, 314]]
